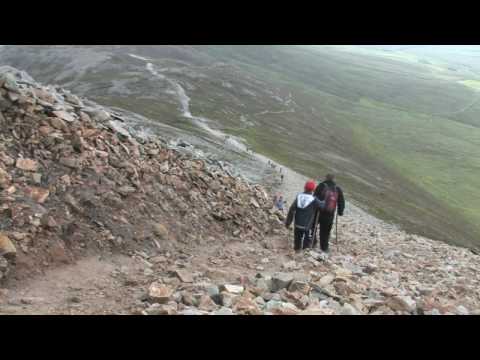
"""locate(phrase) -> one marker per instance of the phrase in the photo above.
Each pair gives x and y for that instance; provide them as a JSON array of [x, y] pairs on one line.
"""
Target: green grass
[[474, 84]]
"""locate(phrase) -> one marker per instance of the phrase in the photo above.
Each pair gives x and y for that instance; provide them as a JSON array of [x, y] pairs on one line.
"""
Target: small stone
[[264, 283], [281, 281], [66, 180], [4, 270], [159, 293], [300, 286], [326, 280], [62, 115], [184, 276], [19, 236], [254, 203], [161, 231], [158, 259], [246, 306], [162, 309], [69, 162], [259, 301], [7, 249], [462, 310], [369, 269], [5, 179], [148, 272], [192, 311], [282, 308], [74, 300], [7, 160], [212, 290], [433, 312], [58, 124], [37, 178], [223, 311], [402, 303], [348, 309], [206, 303], [38, 194], [290, 265], [227, 298], [31, 300], [188, 299], [27, 164], [232, 289], [9, 82], [48, 222]]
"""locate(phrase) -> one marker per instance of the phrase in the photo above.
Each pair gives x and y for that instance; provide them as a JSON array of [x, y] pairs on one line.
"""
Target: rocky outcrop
[[73, 177]]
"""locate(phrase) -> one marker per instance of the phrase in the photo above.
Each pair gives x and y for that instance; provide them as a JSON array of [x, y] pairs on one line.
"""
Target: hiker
[[275, 199], [279, 203], [303, 210], [281, 178], [329, 192]]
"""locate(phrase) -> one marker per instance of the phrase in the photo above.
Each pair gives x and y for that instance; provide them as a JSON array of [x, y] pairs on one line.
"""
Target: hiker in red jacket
[[303, 209], [332, 194]]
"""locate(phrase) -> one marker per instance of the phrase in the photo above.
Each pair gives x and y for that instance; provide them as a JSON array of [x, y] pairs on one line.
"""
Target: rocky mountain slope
[[391, 124], [100, 216]]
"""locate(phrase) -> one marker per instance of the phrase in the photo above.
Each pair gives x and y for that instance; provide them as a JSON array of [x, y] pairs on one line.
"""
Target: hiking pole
[[315, 227], [336, 230]]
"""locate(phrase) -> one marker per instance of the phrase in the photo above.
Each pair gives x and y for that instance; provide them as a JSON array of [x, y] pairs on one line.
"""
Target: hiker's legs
[[307, 242], [325, 229], [298, 235]]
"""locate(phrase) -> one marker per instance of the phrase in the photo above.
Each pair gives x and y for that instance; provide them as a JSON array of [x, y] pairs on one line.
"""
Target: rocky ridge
[[74, 178]]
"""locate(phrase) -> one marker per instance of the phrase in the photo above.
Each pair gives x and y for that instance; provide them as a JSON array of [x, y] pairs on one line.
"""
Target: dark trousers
[[302, 239], [324, 227]]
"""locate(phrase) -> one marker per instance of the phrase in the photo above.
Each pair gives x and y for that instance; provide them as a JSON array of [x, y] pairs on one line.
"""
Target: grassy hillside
[[399, 126]]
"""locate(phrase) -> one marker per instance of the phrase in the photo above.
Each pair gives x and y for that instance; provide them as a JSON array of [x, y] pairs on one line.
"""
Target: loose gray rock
[[223, 311], [281, 281]]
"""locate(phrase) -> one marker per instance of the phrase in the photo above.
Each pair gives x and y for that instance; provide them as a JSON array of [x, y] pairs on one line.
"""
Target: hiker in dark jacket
[[329, 192], [303, 209]]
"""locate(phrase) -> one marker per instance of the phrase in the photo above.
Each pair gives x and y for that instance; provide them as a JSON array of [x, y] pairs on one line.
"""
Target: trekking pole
[[336, 230], [315, 227]]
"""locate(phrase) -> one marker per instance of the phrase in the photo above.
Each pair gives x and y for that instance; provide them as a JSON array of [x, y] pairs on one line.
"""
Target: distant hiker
[[332, 195], [281, 178], [303, 209], [275, 198], [279, 203]]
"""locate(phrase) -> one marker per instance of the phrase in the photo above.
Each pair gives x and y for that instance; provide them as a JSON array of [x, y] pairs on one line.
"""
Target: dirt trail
[[116, 284]]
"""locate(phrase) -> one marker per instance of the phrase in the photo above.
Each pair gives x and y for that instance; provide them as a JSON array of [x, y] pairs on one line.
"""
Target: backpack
[[330, 196]]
